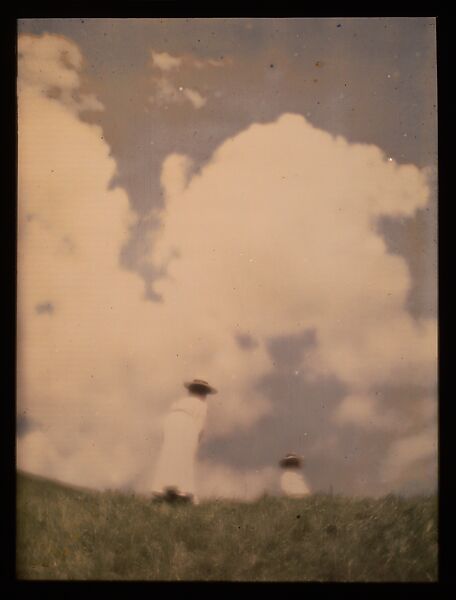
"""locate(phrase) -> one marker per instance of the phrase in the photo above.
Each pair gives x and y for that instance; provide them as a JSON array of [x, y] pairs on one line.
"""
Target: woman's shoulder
[[181, 402]]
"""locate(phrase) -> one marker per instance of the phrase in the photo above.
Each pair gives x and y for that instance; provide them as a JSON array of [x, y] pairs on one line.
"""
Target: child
[[292, 482]]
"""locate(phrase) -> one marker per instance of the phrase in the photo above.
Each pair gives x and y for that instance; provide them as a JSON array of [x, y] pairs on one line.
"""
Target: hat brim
[[208, 388], [291, 461]]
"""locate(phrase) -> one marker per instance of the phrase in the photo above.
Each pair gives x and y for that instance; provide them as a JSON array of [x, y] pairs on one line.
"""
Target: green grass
[[66, 533]]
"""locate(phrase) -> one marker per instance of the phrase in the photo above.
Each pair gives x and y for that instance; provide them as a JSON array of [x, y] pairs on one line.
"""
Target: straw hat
[[291, 460], [200, 384]]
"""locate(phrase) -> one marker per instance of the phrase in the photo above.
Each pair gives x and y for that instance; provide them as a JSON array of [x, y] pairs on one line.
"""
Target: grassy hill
[[68, 533]]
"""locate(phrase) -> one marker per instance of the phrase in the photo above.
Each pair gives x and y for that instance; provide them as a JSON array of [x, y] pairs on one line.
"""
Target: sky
[[248, 201]]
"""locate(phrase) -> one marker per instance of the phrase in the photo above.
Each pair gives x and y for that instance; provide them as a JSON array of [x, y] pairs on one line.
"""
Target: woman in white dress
[[292, 482], [182, 430]]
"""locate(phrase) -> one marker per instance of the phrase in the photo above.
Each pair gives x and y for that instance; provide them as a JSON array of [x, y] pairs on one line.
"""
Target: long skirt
[[176, 462], [293, 484]]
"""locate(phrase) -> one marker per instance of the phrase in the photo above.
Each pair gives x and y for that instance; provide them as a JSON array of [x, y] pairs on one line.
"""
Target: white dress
[[292, 483], [182, 428]]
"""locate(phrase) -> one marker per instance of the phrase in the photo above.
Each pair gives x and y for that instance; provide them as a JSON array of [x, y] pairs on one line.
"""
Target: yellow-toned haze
[[274, 235]]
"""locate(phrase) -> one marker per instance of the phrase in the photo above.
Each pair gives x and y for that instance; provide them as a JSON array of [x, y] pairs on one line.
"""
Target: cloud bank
[[274, 236]]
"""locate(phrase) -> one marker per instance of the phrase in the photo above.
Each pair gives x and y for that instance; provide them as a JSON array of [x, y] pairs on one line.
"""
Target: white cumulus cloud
[[276, 234], [165, 61], [279, 230], [196, 99]]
